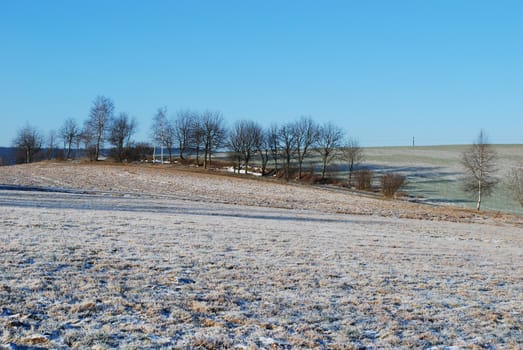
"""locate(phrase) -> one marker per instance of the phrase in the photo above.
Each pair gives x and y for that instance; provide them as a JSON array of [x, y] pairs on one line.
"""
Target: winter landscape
[[135, 256]]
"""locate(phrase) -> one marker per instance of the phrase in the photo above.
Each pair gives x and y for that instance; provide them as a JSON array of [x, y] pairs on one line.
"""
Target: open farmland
[[434, 172], [150, 257]]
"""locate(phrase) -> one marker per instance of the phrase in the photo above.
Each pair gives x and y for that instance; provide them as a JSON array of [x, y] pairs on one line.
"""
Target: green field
[[433, 173]]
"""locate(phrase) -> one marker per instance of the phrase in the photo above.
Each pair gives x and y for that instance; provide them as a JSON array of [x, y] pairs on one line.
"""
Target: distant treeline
[[8, 155]]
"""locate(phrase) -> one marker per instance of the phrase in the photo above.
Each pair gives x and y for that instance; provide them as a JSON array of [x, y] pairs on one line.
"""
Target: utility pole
[[413, 142]]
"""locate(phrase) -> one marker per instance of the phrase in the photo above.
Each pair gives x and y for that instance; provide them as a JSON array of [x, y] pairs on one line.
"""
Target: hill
[[182, 182]]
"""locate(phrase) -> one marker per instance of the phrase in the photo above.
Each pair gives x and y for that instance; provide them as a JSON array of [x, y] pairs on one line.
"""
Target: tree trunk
[[351, 169], [287, 168], [324, 166], [97, 150], [205, 155], [197, 156], [478, 206]]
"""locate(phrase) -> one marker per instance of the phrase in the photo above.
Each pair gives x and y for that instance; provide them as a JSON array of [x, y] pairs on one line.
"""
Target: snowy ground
[[138, 257]]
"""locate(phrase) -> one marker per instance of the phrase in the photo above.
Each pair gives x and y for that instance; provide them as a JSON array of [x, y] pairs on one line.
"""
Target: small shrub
[[363, 180], [140, 152], [391, 183]]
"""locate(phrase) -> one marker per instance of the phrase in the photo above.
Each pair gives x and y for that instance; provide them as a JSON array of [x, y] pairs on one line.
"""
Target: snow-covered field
[[149, 257]]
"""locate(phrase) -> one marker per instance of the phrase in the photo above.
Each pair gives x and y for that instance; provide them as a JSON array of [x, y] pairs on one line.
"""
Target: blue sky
[[439, 70]]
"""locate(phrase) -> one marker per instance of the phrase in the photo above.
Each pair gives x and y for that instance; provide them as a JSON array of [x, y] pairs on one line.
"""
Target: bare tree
[[287, 138], [99, 119], [169, 139], [162, 132], [214, 134], [29, 142], [120, 132], [87, 137], [329, 142], [245, 140], [352, 153], [264, 150], [273, 143], [182, 130], [235, 145], [197, 136], [306, 133], [479, 162], [51, 144], [69, 133]]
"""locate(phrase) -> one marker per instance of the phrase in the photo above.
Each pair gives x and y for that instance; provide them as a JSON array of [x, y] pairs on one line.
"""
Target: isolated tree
[[352, 153], [329, 142], [287, 138], [99, 119], [306, 133], [245, 140], [120, 132], [69, 134], [479, 162], [29, 142], [182, 130], [214, 134]]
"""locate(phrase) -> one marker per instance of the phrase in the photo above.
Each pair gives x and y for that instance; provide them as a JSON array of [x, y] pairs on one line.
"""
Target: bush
[[363, 180], [139, 152], [391, 183]]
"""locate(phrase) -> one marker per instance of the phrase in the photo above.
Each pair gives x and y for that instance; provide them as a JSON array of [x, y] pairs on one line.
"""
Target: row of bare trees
[[203, 133], [100, 127], [191, 132], [199, 134], [291, 144]]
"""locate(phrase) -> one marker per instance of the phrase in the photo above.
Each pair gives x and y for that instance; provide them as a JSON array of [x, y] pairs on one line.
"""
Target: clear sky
[[439, 70]]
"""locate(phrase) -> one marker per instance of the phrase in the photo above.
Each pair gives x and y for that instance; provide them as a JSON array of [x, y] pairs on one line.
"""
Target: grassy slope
[[434, 172], [184, 267]]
